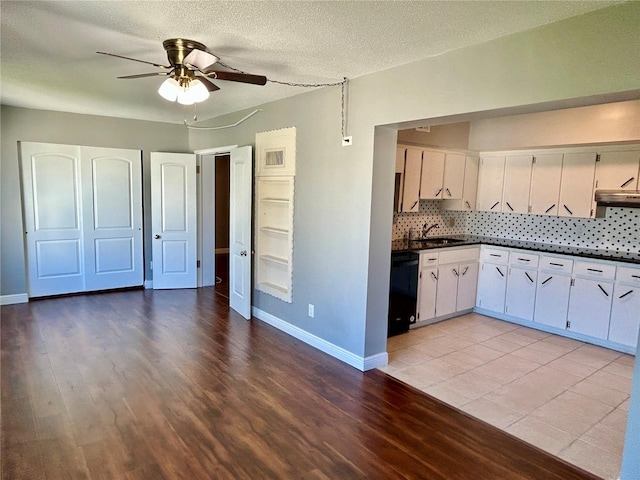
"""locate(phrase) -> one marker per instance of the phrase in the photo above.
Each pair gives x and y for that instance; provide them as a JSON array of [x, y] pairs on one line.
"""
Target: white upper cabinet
[[618, 170], [545, 184], [576, 186], [454, 171], [432, 175], [411, 182], [470, 187], [517, 180], [490, 180]]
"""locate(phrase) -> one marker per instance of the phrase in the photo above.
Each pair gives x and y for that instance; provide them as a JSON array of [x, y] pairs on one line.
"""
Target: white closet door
[[112, 200], [173, 220], [53, 218]]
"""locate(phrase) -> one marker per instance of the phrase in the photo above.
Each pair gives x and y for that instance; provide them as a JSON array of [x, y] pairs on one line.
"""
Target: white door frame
[[206, 190]]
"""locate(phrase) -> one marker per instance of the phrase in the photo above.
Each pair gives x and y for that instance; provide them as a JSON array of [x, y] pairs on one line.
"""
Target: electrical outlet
[[347, 141], [311, 310]]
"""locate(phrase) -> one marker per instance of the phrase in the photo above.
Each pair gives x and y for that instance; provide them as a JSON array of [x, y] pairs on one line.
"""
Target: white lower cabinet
[[625, 308], [447, 283], [590, 300], [521, 284], [492, 279], [553, 290]]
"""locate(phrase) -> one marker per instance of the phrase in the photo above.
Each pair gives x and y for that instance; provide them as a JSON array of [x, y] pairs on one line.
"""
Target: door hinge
[[591, 213], [533, 160], [568, 324], [573, 282], [529, 209], [198, 264], [197, 168], [597, 157], [151, 265]]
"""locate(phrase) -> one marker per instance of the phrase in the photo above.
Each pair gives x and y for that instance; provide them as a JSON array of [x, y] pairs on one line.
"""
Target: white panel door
[[112, 218], [240, 208], [53, 218], [173, 220], [517, 182]]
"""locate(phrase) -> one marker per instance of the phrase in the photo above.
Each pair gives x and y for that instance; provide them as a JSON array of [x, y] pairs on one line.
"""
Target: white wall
[[20, 124], [611, 122]]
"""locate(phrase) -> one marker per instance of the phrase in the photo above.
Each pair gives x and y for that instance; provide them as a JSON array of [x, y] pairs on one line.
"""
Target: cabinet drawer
[[458, 256], [594, 270], [430, 258], [556, 264], [522, 259], [494, 255], [629, 275]]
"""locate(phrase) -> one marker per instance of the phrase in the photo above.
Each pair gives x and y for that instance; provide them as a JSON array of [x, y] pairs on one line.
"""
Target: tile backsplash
[[619, 231]]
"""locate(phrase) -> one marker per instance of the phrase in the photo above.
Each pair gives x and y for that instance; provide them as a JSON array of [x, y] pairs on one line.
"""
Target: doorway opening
[[221, 224]]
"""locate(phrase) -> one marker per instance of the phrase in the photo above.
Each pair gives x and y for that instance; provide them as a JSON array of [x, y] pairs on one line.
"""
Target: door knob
[[156, 236], [243, 253]]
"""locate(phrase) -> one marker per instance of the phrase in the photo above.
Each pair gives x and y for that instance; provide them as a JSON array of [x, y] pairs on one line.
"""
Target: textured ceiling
[[48, 58]]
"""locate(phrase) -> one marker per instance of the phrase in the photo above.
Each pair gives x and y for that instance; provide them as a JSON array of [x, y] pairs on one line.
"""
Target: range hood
[[616, 198]]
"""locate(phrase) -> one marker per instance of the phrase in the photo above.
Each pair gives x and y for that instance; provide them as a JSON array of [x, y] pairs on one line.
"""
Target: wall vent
[[274, 158]]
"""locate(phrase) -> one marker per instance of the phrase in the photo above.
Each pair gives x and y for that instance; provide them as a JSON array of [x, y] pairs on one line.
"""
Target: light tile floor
[[566, 397]]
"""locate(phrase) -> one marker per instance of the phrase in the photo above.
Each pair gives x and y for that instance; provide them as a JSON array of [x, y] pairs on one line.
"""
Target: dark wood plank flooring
[[172, 385]]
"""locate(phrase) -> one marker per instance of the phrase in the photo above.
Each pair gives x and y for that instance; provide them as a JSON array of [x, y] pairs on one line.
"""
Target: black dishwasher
[[403, 292]]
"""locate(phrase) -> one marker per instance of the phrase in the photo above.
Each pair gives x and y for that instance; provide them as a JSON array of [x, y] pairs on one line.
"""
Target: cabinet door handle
[[547, 280], [466, 269], [500, 272], [594, 270], [510, 207], [468, 204], [414, 204], [495, 255], [455, 272], [628, 182], [524, 259], [550, 208], [434, 276], [635, 276], [448, 191], [567, 209], [437, 193], [529, 277], [556, 264], [494, 205], [625, 294], [603, 290]]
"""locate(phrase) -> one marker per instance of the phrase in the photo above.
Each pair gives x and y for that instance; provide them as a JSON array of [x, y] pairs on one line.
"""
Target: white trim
[[148, 284], [15, 298], [329, 348], [214, 150]]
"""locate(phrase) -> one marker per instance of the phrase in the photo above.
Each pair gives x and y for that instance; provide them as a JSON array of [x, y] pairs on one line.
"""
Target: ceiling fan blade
[[135, 60], [237, 77], [200, 59], [212, 87], [142, 75]]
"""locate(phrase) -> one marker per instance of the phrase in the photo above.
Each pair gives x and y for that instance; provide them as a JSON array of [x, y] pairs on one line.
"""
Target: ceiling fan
[[189, 70]]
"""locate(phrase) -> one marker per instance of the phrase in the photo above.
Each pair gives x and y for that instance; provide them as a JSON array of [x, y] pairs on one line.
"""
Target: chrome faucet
[[426, 230]]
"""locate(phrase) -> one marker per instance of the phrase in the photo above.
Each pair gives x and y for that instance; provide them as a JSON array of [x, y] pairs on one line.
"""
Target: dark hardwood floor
[[172, 385]]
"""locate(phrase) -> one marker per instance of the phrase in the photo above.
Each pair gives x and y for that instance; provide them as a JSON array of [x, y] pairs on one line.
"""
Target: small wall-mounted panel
[[276, 152]]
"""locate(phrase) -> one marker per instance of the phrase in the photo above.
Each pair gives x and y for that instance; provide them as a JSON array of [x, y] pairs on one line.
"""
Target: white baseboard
[[148, 284], [361, 363], [16, 298]]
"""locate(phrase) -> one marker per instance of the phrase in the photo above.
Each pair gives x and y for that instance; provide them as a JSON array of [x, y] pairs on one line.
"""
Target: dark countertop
[[601, 254]]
